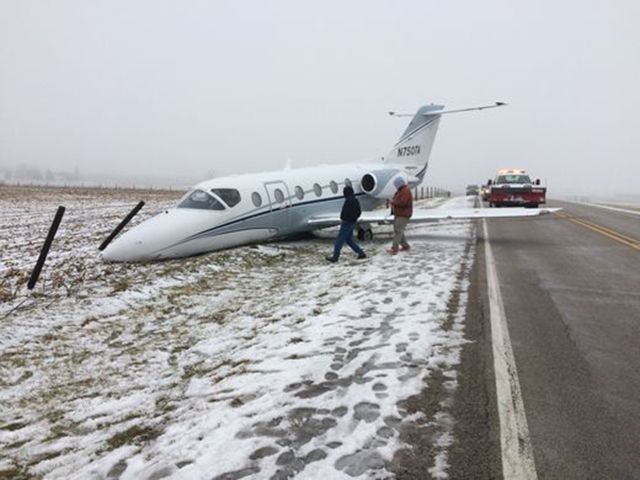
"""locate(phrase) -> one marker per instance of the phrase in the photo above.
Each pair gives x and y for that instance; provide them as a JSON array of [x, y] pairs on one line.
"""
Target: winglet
[[544, 211]]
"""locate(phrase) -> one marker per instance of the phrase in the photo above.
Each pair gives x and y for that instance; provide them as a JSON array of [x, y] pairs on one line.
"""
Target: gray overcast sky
[[183, 88]]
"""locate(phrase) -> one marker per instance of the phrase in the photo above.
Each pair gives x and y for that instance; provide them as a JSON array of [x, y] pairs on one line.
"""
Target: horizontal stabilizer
[[453, 110], [470, 109], [425, 215]]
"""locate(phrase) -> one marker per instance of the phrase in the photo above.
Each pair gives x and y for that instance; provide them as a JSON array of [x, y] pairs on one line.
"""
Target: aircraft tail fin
[[413, 149]]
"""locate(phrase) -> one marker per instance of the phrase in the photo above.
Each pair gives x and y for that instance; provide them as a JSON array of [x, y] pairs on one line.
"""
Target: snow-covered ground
[[257, 362]]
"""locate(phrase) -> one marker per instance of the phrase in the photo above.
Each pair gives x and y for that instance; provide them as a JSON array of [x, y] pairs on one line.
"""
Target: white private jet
[[236, 210]]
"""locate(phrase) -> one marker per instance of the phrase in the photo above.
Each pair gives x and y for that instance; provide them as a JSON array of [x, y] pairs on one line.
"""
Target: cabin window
[[200, 199], [256, 199], [279, 195], [513, 179], [333, 186], [299, 192], [317, 189], [347, 182], [230, 196]]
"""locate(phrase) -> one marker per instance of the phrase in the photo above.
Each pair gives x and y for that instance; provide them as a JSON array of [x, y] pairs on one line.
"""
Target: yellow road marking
[[607, 232], [612, 232]]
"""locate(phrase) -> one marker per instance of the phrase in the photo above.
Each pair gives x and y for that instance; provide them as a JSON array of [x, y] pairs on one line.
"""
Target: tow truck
[[513, 187]]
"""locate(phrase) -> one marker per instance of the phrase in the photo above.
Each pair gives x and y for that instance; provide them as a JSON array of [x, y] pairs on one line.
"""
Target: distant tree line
[[30, 173]]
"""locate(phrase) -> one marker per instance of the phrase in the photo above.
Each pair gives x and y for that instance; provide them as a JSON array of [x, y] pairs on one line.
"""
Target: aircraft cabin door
[[280, 204]]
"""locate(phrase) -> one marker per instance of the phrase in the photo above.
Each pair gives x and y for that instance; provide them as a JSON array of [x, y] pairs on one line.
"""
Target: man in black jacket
[[350, 213]]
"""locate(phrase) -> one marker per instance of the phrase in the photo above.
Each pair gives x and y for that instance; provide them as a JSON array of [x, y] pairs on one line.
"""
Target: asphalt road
[[571, 290]]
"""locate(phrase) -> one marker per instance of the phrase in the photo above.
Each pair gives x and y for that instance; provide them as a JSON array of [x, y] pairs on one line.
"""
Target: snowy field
[[258, 362]]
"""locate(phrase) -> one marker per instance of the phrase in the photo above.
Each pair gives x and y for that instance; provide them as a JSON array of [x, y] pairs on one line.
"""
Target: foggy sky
[[186, 88]]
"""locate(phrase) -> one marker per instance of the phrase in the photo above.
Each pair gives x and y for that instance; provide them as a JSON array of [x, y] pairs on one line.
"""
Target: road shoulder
[[475, 452]]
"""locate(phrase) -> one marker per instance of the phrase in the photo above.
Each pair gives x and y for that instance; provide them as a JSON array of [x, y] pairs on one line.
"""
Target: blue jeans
[[345, 235]]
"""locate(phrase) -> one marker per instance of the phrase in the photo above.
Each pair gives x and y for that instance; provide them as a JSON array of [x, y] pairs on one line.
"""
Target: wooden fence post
[[45, 248]]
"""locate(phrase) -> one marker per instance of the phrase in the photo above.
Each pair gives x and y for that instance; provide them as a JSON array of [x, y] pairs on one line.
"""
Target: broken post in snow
[[45, 248], [121, 225]]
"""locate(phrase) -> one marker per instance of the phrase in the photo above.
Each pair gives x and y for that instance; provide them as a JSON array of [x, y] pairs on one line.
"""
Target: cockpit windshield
[[200, 199], [513, 179], [230, 196]]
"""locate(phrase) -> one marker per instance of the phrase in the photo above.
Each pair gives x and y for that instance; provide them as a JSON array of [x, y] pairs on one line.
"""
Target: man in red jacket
[[402, 209]]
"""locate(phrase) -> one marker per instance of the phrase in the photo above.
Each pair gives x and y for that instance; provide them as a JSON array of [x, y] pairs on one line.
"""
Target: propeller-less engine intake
[[380, 183]]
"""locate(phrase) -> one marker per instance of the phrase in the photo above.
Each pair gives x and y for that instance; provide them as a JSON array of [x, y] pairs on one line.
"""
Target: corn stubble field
[[260, 362], [91, 214]]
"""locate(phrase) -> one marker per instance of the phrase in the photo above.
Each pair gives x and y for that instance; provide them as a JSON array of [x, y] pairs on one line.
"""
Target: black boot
[[331, 258], [362, 256]]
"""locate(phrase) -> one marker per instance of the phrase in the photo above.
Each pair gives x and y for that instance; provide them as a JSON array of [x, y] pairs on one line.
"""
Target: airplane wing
[[425, 215]]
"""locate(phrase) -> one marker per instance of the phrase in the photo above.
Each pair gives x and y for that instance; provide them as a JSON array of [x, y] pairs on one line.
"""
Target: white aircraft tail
[[413, 149]]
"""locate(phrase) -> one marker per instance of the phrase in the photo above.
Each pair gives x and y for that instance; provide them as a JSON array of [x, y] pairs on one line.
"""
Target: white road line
[[608, 207], [517, 453]]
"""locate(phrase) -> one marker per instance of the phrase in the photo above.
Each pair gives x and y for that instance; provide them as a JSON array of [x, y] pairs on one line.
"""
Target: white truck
[[514, 188]]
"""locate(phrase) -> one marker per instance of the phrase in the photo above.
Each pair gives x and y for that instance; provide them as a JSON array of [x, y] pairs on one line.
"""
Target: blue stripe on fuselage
[[209, 231]]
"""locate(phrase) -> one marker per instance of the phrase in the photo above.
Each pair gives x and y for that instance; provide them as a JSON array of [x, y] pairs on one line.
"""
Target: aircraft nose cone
[[144, 242], [158, 237], [123, 250]]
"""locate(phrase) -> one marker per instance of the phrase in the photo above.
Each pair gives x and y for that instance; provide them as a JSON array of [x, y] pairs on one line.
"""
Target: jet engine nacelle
[[379, 183]]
